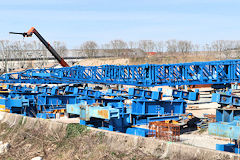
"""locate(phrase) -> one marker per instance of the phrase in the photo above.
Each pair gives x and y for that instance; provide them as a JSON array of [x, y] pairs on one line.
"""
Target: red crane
[[46, 44]]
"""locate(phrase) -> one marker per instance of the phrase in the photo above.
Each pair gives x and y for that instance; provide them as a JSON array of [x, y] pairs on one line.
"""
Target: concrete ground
[[67, 120], [204, 105], [203, 140]]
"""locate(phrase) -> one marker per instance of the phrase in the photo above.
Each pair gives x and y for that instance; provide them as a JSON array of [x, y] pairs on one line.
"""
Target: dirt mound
[[103, 61]]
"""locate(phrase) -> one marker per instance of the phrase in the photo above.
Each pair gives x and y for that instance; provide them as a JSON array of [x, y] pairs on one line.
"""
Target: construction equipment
[[137, 107], [115, 110], [145, 75], [32, 31], [19, 99]]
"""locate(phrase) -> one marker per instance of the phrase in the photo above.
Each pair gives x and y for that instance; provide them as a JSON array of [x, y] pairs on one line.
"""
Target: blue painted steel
[[73, 108], [2, 101], [228, 120], [147, 107], [225, 129], [227, 114], [195, 73], [115, 92], [145, 94], [120, 118], [137, 120], [86, 112], [20, 99], [221, 86], [226, 147], [236, 149], [46, 115], [51, 100], [225, 99], [114, 110], [229, 106], [18, 105], [167, 117], [144, 107], [187, 95], [138, 131]]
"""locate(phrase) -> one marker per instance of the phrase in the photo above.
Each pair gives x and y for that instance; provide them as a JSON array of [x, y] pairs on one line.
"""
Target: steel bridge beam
[[145, 75]]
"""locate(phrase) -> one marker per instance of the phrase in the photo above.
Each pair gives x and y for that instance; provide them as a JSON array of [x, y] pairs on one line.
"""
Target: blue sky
[[76, 21]]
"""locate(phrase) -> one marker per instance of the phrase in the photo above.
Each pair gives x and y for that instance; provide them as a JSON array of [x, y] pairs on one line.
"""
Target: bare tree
[[118, 47], [224, 47], [171, 46], [207, 48], [217, 45], [40, 53], [89, 48], [237, 48], [160, 46], [105, 46], [196, 49], [132, 45], [228, 47], [17, 50], [60, 47], [184, 46], [147, 45], [4, 46]]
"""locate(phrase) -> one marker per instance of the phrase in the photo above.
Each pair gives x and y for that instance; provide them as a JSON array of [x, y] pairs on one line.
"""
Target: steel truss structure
[[145, 75]]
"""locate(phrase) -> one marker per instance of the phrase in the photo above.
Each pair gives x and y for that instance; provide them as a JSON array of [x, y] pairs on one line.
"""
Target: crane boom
[[46, 44]]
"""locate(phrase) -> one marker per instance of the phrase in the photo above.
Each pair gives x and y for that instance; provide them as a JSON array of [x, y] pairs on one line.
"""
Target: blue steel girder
[[146, 75], [223, 99]]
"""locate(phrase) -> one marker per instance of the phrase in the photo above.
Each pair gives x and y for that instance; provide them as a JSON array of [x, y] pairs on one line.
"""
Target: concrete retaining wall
[[122, 142]]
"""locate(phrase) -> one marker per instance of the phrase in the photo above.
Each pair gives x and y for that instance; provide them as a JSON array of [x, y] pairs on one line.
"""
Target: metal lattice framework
[[195, 73], [164, 131]]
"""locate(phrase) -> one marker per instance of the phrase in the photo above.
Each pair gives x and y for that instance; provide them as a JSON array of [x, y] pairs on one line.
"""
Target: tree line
[[118, 47], [113, 48]]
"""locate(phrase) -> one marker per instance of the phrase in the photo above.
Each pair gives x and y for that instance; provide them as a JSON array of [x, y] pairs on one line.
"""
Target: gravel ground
[[204, 104], [203, 140]]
